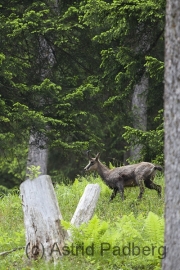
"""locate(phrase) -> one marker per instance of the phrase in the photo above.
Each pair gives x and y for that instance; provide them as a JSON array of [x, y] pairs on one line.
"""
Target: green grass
[[111, 210], [114, 216]]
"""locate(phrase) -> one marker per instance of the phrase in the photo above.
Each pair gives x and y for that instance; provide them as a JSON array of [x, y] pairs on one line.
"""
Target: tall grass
[[12, 233]]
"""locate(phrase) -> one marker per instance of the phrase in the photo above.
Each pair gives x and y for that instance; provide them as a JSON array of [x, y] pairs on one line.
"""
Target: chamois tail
[[159, 168]]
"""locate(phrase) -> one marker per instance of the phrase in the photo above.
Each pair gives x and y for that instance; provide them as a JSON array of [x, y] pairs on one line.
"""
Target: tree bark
[[172, 135], [86, 206], [38, 150], [139, 111], [42, 218], [38, 154]]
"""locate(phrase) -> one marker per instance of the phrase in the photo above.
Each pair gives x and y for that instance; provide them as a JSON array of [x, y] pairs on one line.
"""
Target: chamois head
[[93, 163]]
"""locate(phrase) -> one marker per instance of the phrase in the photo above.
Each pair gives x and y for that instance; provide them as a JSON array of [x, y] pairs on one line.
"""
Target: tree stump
[[42, 219], [86, 206]]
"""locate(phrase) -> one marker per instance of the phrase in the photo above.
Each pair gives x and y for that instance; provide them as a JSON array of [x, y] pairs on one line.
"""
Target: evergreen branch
[[155, 41], [76, 61]]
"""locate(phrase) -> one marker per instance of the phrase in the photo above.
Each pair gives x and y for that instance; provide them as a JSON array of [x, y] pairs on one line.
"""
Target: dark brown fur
[[126, 176]]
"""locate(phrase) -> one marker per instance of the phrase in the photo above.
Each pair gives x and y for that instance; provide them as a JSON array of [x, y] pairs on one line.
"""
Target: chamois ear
[[88, 154], [97, 156]]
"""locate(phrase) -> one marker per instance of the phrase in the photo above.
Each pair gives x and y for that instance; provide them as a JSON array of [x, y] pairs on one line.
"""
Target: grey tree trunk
[[37, 155], [172, 135], [139, 111], [38, 150]]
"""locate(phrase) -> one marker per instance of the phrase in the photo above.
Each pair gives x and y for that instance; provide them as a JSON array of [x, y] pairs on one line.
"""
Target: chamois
[[126, 176]]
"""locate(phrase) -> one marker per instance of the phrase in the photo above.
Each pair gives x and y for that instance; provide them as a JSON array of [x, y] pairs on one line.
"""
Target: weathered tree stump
[[42, 219], [45, 237], [86, 206]]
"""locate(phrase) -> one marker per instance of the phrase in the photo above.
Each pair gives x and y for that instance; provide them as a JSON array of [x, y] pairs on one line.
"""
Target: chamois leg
[[149, 184], [120, 186], [113, 195], [141, 186]]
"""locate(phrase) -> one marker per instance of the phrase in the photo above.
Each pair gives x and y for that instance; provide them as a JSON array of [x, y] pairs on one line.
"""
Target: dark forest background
[[81, 75]]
